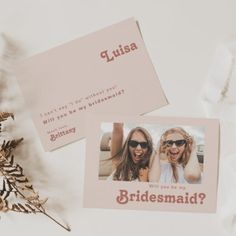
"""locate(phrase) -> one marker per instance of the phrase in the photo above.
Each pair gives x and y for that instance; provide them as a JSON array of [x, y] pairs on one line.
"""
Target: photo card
[[151, 163]]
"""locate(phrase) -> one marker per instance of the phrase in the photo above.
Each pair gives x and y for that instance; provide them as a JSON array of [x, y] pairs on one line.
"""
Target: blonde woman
[[176, 157]]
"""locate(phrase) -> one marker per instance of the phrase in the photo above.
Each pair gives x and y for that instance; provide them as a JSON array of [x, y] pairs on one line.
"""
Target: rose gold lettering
[[126, 48], [133, 46], [121, 50], [132, 197], [152, 198], [123, 197], [116, 53], [160, 198], [144, 197], [186, 198], [193, 199], [105, 55], [170, 198], [180, 199]]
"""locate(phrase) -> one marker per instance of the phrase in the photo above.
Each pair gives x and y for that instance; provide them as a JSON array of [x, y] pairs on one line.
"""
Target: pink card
[[151, 163], [106, 71]]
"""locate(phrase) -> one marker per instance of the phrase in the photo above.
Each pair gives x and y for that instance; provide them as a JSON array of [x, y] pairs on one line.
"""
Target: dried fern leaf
[[5, 115], [14, 184], [26, 208], [3, 205], [7, 147], [6, 189]]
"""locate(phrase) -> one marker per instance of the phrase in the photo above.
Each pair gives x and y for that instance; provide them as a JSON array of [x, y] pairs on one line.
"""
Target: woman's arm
[[154, 166], [192, 171], [116, 143]]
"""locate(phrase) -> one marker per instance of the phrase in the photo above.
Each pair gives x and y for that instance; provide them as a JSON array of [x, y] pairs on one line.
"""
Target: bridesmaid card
[[106, 71], [151, 163]]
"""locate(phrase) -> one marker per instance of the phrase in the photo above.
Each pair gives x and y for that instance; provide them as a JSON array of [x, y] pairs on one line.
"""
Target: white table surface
[[181, 37]]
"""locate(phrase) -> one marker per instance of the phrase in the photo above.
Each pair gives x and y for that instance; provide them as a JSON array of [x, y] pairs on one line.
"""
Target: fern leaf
[[3, 205], [15, 184], [5, 115]]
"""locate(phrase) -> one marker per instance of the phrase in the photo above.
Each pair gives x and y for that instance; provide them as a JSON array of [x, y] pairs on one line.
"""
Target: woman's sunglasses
[[134, 144], [178, 143]]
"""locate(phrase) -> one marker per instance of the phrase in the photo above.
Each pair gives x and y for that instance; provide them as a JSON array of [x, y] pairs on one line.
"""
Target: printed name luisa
[[121, 50]]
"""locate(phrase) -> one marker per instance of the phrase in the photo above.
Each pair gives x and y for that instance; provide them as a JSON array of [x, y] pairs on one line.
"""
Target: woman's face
[[175, 145], [138, 146]]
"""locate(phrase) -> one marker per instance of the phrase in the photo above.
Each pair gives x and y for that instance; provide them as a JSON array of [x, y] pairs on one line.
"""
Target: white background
[[181, 37]]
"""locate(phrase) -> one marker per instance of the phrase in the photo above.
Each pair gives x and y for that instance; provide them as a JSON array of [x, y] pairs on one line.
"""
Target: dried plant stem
[[38, 208], [63, 226]]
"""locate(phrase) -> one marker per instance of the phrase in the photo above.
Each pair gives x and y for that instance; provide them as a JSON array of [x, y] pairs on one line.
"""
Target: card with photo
[[151, 163], [106, 71]]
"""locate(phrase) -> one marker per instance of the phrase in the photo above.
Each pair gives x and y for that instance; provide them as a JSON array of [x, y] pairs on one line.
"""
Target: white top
[[167, 174]]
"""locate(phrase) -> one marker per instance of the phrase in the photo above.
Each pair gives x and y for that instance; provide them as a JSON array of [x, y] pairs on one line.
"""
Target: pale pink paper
[[57, 82], [103, 193]]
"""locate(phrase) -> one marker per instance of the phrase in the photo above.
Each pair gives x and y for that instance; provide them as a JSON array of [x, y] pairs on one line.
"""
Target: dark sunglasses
[[178, 143], [134, 144]]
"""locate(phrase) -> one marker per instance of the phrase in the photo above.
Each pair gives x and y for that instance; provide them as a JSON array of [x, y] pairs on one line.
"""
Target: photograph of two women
[[160, 153]]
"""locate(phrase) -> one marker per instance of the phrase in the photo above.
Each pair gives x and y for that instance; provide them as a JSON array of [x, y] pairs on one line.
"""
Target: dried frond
[[10, 144], [5, 115], [15, 182], [3, 205], [15, 185], [7, 147]]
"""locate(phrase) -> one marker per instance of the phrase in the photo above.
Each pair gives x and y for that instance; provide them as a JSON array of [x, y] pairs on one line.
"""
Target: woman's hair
[[183, 160], [127, 170]]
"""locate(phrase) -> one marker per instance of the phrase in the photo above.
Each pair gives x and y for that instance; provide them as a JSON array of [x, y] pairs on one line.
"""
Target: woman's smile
[[137, 156], [137, 153], [175, 152]]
